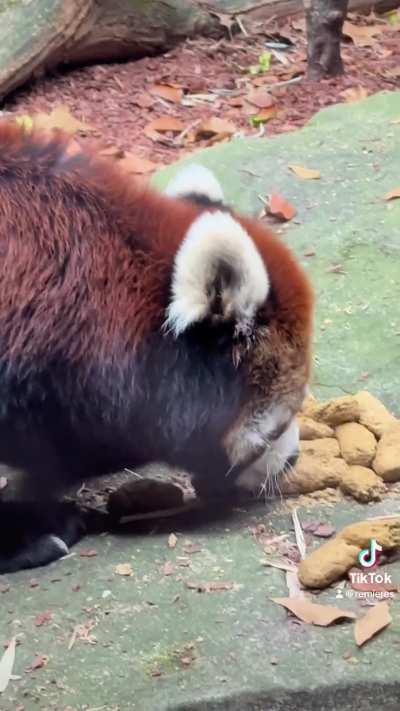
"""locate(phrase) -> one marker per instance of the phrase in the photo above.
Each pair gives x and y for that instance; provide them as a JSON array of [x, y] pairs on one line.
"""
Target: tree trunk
[[324, 23], [39, 35]]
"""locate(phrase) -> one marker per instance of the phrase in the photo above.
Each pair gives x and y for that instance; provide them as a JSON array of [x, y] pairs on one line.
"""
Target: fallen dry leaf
[[40, 661], [172, 540], [186, 661], [335, 269], [6, 665], [299, 24], [183, 561], [88, 553], [280, 565], [168, 568], [362, 35], [144, 101], [43, 617], [215, 128], [191, 548], [324, 530], [165, 124], [236, 101], [112, 152], [376, 619], [280, 207], [169, 92], [356, 93], [312, 613], [218, 586], [214, 586], [124, 569], [260, 98], [61, 118], [305, 173], [137, 165], [73, 148], [83, 633], [392, 194]]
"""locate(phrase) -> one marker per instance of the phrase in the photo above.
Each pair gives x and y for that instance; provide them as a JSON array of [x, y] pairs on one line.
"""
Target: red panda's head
[[233, 270]]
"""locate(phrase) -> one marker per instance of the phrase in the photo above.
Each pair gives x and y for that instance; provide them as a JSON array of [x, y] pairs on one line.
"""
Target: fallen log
[[44, 34]]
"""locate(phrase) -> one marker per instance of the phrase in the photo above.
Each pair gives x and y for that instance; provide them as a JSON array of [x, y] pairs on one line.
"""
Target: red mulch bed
[[215, 79]]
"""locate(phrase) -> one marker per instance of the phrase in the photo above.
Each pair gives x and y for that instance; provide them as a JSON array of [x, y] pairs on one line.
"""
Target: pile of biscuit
[[351, 442]]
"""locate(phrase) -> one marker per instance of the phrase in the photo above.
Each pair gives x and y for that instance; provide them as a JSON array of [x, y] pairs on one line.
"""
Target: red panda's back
[[84, 270]]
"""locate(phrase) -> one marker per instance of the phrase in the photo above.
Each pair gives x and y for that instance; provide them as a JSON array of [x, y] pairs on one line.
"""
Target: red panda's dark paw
[[42, 536], [39, 551]]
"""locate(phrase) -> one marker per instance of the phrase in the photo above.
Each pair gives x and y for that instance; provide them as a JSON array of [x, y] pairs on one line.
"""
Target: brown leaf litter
[[204, 80]]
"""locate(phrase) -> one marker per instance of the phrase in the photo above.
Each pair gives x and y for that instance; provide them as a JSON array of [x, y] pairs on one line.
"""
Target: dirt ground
[[205, 79]]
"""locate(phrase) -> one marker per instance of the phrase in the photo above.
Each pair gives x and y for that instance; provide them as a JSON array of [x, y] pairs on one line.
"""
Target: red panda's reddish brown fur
[[163, 220], [90, 380]]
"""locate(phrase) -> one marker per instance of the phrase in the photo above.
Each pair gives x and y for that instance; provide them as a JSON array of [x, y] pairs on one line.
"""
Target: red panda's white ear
[[218, 274], [195, 179]]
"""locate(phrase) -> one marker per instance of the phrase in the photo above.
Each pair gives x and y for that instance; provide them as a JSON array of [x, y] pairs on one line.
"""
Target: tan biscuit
[[357, 443], [387, 460], [310, 429], [373, 413], [337, 411], [362, 483], [325, 447]]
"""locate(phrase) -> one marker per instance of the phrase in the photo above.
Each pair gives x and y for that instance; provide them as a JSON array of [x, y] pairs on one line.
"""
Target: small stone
[[362, 483], [325, 447], [373, 413], [387, 460], [357, 443], [310, 429]]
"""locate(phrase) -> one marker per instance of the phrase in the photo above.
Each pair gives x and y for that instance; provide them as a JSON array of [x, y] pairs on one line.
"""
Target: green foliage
[[264, 63]]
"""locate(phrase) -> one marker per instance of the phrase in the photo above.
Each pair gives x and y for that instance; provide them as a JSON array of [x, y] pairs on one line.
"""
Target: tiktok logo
[[369, 556]]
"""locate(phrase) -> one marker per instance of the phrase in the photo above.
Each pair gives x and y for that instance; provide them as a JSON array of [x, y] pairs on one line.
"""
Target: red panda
[[136, 326]]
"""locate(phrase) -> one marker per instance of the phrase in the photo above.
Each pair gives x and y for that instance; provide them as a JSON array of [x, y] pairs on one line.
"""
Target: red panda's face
[[264, 440], [231, 269]]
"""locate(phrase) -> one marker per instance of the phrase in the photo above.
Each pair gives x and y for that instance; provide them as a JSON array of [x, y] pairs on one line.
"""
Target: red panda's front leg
[[33, 534]]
